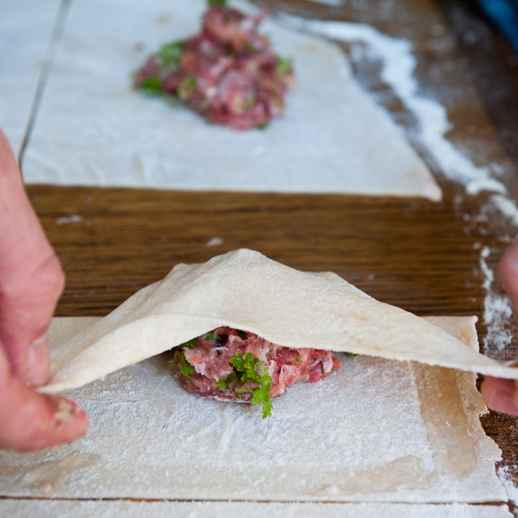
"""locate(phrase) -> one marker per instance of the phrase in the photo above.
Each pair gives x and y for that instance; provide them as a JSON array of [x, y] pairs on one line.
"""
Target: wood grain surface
[[419, 255]]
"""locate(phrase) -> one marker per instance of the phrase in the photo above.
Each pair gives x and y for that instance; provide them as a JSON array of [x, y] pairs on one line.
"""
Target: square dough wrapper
[[336, 440], [93, 129]]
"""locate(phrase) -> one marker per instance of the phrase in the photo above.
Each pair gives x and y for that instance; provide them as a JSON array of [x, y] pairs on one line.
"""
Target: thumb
[[31, 279], [27, 302], [32, 421]]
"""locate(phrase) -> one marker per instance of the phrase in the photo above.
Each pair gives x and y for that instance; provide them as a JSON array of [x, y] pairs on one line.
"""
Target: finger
[[31, 278], [500, 395], [27, 302], [31, 421], [508, 272]]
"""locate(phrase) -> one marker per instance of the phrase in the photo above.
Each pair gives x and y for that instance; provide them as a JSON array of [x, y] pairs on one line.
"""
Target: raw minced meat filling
[[228, 73], [234, 365]]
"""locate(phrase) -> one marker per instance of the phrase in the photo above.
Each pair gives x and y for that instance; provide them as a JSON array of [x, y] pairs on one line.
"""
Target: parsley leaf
[[261, 396], [217, 3], [170, 54], [248, 368], [186, 369], [191, 344], [242, 334], [210, 336], [284, 66], [151, 85]]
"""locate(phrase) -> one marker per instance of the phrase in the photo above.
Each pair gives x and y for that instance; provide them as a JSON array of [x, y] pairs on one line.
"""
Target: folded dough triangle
[[246, 290]]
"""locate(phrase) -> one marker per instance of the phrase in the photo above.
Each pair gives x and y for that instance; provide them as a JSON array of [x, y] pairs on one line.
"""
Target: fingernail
[[36, 367], [65, 411]]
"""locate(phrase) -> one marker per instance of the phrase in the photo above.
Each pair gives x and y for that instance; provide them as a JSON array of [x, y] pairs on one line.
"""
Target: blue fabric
[[505, 14]]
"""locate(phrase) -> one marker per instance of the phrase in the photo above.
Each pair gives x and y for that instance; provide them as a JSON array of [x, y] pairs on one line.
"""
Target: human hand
[[31, 281], [500, 394]]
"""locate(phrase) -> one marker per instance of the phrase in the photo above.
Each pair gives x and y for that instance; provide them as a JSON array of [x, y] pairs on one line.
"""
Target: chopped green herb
[[210, 337], [222, 384], [151, 85], [170, 54], [262, 126], [248, 368], [245, 366], [217, 3], [191, 344], [187, 87], [261, 395], [186, 369], [284, 66], [242, 334]]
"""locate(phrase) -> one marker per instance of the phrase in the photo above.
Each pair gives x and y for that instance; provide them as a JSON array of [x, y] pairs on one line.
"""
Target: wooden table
[[416, 254]]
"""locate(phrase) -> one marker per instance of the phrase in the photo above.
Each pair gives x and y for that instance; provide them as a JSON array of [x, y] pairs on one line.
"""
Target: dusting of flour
[[69, 219], [399, 65], [497, 309]]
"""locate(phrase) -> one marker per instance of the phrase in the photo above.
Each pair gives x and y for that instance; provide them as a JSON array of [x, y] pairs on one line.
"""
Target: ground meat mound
[[228, 73], [234, 365]]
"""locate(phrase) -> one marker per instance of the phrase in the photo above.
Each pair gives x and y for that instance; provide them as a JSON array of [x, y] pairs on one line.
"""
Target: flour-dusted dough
[[25, 38], [246, 290], [93, 129], [149, 438], [49, 509]]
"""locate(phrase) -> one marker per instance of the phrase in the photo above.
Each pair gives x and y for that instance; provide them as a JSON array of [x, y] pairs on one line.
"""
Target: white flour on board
[[497, 309], [399, 65], [506, 477], [507, 207], [71, 218], [215, 241]]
